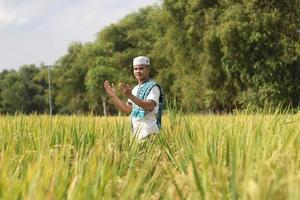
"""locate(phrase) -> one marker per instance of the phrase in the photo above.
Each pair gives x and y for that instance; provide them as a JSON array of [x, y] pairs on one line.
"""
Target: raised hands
[[119, 103], [111, 91]]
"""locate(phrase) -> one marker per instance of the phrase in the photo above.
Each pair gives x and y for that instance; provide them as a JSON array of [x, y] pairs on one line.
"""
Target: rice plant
[[241, 156]]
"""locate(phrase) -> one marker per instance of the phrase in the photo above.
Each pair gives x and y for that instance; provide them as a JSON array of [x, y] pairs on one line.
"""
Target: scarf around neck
[[142, 93]]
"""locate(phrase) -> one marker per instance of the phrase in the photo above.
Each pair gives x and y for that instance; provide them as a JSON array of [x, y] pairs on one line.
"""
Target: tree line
[[209, 55]]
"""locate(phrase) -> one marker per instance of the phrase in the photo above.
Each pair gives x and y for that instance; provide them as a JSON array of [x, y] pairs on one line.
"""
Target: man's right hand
[[110, 89]]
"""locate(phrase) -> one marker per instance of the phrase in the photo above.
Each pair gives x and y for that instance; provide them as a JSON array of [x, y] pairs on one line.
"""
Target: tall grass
[[238, 156]]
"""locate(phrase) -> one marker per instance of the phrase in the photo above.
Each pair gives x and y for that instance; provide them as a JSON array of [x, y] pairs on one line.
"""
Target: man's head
[[141, 68]]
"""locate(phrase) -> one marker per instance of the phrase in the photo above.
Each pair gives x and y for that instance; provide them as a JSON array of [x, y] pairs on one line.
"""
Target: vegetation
[[208, 55], [238, 156]]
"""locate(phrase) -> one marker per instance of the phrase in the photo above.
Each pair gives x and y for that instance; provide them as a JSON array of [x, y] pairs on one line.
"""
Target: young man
[[144, 101]]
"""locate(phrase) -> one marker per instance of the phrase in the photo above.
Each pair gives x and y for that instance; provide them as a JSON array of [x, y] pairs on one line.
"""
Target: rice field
[[241, 156]]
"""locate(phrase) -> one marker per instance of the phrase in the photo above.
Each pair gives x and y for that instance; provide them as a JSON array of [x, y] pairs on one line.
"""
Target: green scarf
[[142, 93]]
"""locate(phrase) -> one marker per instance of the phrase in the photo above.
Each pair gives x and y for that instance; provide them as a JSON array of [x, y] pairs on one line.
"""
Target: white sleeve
[[129, 102], [154, 94]]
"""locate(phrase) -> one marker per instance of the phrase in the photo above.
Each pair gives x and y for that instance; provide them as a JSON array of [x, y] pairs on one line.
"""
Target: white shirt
[[143, 127]]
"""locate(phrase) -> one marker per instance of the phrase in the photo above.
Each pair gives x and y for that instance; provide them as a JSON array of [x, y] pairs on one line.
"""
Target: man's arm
[[123, 106], [148, 105]]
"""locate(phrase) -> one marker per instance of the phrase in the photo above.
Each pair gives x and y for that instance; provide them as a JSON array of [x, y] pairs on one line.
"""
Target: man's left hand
[[125, 89]]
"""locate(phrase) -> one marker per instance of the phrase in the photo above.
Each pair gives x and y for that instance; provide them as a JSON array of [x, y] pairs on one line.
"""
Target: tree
[[21, 93], [68, 80], [94, 83], [258, 42]]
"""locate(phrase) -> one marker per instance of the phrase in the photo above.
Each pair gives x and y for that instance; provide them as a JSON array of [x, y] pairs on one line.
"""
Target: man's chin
[[139, 78]]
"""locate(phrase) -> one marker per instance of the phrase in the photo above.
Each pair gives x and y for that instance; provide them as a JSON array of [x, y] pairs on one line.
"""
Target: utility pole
[[49, 88]]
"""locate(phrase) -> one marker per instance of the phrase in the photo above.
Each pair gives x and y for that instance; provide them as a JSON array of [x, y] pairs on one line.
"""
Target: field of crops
[[238, 156]]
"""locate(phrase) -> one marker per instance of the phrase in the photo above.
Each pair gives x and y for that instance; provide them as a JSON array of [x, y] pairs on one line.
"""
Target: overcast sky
[[35, 31]]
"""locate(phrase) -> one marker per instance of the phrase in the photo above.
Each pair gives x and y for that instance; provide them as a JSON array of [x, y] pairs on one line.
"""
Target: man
[[144, 101]]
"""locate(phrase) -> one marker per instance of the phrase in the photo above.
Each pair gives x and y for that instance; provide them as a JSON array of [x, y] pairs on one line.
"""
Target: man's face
[[141, 72]]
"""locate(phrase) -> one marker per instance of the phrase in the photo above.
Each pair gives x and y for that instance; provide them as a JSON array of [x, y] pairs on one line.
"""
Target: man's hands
[[126, 90], [120, 104], [111, 91]]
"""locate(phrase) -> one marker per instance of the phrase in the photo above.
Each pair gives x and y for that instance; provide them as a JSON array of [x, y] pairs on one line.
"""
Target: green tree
[[21, 93], [94, 83], [245, 52], [68, 80], [258, 41]]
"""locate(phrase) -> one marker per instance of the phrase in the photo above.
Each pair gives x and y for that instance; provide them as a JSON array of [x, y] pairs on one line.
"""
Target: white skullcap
[[141, 60]]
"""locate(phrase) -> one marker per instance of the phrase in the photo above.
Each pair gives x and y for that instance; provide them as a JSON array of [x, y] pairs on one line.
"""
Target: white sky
[[35, 31]]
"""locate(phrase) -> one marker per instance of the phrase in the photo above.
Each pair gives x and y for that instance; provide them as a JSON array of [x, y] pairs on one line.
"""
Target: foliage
[[195, 157], [211, 55], [21, 92], [94, 84], [68, 78]]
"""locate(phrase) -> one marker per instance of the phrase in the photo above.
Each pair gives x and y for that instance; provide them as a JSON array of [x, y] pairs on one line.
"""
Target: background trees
[[20, 91], [208, 55], [94, 83]]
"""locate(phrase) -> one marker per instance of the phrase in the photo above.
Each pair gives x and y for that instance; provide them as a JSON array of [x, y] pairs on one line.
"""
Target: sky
[[36, 31]]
